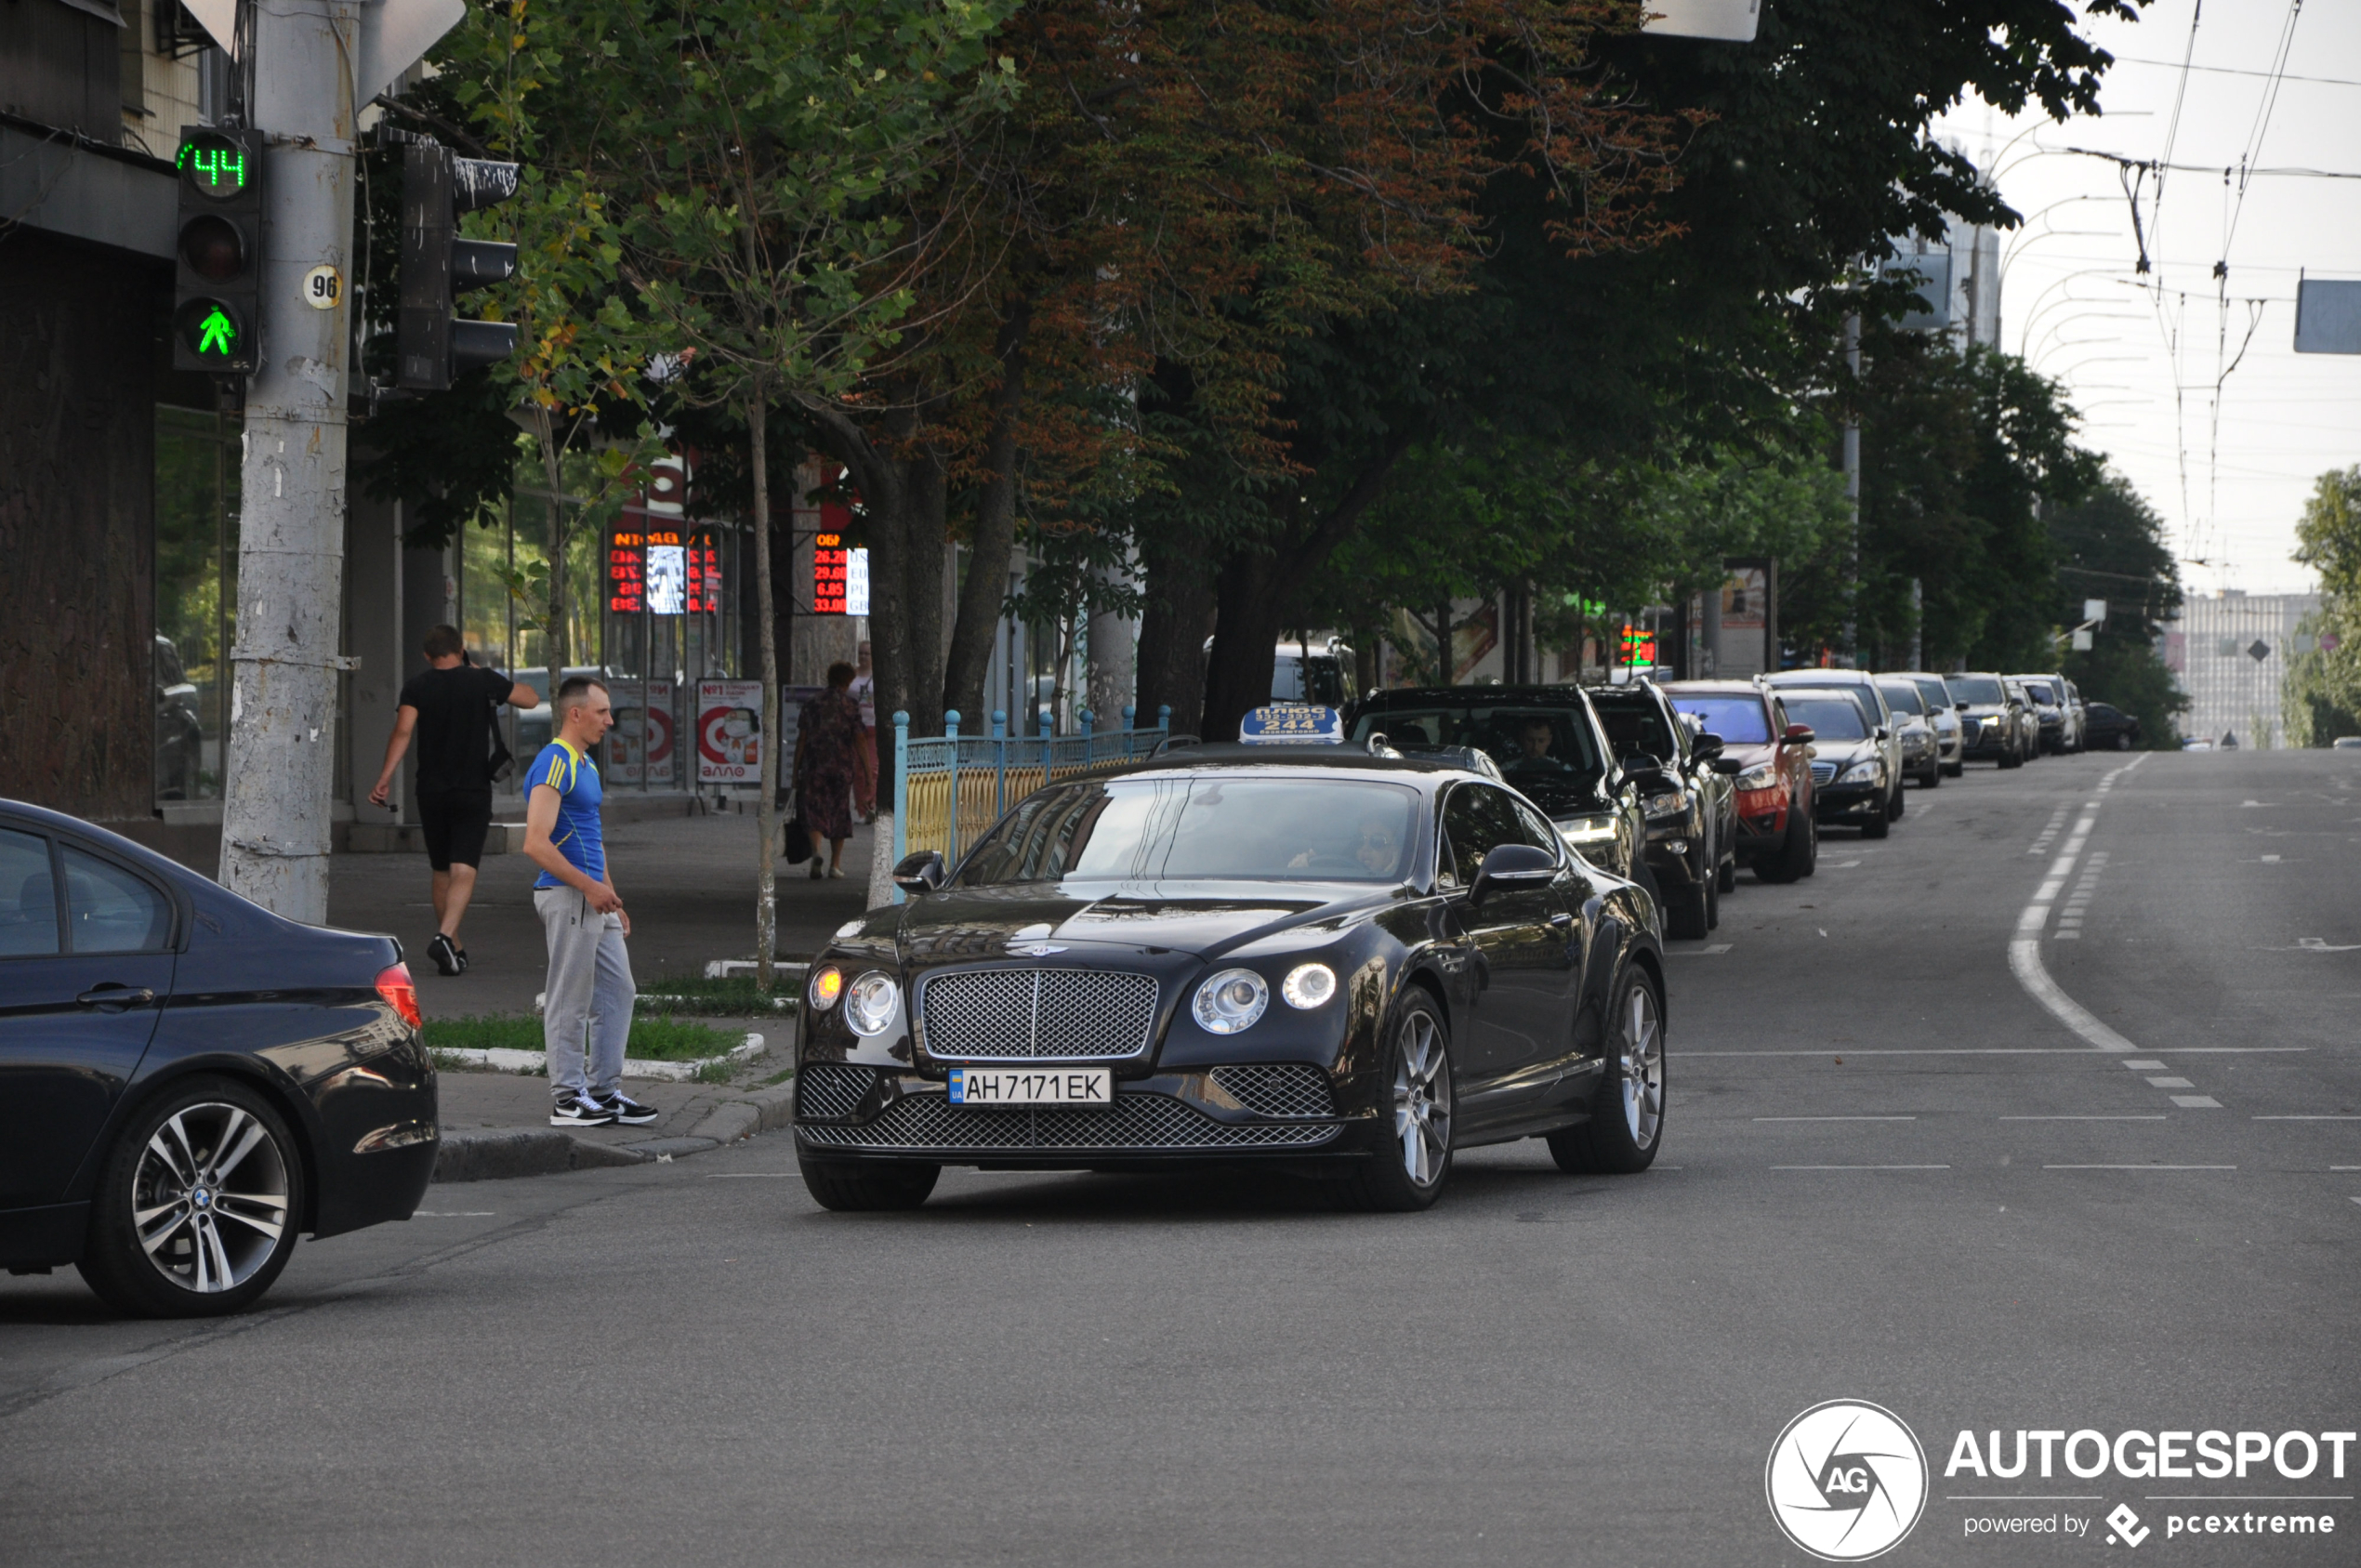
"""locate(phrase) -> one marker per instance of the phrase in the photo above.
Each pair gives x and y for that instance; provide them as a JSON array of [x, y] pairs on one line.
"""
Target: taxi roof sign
[[1292, 724]]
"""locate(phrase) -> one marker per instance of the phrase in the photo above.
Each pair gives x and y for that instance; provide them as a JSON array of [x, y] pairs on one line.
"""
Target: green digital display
[[210, 331], [216, 166]]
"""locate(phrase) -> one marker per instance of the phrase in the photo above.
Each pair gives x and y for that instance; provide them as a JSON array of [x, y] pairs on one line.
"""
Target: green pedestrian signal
[[210, 332], [216, 281]]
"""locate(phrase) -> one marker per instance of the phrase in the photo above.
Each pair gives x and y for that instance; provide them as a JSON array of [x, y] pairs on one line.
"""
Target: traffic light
[[217, 258], [437, 266]]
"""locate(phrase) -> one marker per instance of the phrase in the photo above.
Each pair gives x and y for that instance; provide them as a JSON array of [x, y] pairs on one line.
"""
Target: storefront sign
[[729, 732], [840, 577]]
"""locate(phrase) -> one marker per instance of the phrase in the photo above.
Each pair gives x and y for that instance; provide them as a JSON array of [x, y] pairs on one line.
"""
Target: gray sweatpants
[[590, 996]]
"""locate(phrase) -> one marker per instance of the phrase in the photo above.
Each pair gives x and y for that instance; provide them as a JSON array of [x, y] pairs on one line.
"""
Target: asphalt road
[[1891, 1174]]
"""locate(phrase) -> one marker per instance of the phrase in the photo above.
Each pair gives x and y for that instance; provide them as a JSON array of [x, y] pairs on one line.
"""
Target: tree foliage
[[2323, 697]]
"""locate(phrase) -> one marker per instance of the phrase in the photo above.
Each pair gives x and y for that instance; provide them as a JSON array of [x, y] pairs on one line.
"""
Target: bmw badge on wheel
[[1847, 1481]]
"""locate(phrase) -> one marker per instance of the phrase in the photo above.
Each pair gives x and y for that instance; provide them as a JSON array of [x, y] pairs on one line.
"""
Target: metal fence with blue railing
[[949, 789]]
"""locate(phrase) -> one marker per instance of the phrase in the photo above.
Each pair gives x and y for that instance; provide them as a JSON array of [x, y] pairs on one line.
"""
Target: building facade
[[2229, 653]]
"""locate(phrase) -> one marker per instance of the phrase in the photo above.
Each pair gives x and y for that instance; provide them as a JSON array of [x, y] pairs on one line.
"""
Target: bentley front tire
[[1405, 1173], [1627, 1121], [867, 1189]]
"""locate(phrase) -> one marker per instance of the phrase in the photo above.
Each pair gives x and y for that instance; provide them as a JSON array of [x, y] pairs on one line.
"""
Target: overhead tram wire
[[2156, 240], [2247, 159]]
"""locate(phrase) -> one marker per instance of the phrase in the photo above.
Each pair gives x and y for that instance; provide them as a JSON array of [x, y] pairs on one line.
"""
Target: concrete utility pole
[[1853, 492], [282, 709]]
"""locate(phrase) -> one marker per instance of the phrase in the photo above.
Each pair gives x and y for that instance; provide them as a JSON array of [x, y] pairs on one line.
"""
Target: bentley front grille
[[1135, 1123], [1062, 1015], [1280, 1088], [831, 1088]]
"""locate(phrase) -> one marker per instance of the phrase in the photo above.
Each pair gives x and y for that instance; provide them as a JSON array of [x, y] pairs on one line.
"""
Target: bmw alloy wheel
[[210, 1198], [1422, 1099], [1643, 1067]]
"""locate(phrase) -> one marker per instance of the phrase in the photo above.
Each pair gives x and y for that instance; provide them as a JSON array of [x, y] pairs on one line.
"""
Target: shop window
[[196, 597]]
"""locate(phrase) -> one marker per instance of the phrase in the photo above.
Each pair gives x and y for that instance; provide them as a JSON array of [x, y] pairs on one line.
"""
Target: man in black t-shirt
[[449, 707]]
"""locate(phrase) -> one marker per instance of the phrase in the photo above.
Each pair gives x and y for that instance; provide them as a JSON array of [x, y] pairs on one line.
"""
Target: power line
[[2234, 71]]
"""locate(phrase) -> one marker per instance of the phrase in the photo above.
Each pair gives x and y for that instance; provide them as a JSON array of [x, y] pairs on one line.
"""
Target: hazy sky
[[2229, 471]]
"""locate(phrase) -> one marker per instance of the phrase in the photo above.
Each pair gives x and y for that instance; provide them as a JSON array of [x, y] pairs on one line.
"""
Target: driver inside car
[[1374, 845], [1535, 740]]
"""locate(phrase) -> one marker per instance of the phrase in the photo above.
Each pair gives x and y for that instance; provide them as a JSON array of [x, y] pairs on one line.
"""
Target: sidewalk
[[687, 882]]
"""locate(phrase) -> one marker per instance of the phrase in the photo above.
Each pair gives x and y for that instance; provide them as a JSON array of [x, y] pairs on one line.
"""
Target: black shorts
[[455, 822]]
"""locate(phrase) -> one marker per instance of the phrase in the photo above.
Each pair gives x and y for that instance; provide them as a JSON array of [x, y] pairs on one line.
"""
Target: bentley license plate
[[1019, 1085]]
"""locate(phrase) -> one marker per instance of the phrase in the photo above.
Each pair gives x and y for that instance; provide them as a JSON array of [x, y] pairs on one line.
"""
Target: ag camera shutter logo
[[1846, 1480]]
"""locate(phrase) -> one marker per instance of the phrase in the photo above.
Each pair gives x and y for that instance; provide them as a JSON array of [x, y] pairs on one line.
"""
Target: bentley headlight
[[1671, 803], [1862, 773], [870, 1002], [1588, 831], [1308, 985], [1230, 1002], [1761, 777], [824, 986]]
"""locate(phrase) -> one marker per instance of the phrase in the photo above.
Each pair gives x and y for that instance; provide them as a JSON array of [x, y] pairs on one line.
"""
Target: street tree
[[750, 158]]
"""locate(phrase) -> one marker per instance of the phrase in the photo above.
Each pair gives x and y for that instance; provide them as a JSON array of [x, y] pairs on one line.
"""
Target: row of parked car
[[1677, 785]]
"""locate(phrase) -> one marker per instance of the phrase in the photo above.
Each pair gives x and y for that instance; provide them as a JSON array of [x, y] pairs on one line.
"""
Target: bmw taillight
[[401, 994]]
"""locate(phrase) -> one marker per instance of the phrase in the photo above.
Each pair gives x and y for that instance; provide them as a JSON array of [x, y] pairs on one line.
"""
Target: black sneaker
[[629, 1111], [570, 1112], [446, 956]]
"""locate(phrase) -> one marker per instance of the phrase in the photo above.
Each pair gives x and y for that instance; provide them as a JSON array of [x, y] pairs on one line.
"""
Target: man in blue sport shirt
[[588, 1007]]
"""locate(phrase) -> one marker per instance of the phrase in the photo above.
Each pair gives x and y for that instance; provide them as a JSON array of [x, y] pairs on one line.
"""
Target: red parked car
[[1770, 761]]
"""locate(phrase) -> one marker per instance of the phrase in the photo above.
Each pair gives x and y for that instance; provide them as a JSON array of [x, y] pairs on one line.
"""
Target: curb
[[495, 1153], [499, 1154], [504, 1061]]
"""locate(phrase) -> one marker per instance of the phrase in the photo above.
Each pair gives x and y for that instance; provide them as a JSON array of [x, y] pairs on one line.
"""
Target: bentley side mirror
[[1512, 865], [1706, 748], [1801, 734], [920, 873], [1729, 765]]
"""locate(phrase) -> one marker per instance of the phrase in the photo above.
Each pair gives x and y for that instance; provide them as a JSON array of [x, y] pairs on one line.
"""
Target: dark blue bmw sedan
[[187, 1080]]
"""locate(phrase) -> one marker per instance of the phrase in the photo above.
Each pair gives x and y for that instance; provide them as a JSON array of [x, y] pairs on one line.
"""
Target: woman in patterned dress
[[825, 734]]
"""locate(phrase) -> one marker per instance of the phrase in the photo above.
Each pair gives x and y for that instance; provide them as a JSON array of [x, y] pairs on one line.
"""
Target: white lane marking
[[2304, 1118], [2139, 1167], [2145, 1066], [2147, 1116], [2171, 1084], [451, 1214], [748, 1175], [2318, 944], [2197, 1102], [2024, 961], [1698, 952], [1836, 1118], [2005, 1050], [1860, 1167]]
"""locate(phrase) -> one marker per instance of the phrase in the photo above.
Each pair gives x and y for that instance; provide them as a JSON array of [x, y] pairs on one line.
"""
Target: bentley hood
[[964, 925]]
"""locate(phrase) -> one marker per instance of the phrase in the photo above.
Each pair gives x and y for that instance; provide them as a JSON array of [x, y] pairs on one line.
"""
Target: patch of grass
[[777, 1079], [657, 1039], [736, 997]]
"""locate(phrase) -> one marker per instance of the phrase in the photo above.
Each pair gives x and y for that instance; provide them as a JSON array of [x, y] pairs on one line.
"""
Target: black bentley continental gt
[[1343, 964], [187, 1080]]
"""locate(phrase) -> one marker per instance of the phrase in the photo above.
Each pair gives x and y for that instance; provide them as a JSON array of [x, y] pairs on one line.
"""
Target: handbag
[[799, 845], [500, 764]]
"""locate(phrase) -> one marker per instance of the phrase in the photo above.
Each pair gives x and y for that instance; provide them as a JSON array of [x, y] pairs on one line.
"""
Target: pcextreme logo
[[1846, 1480]]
